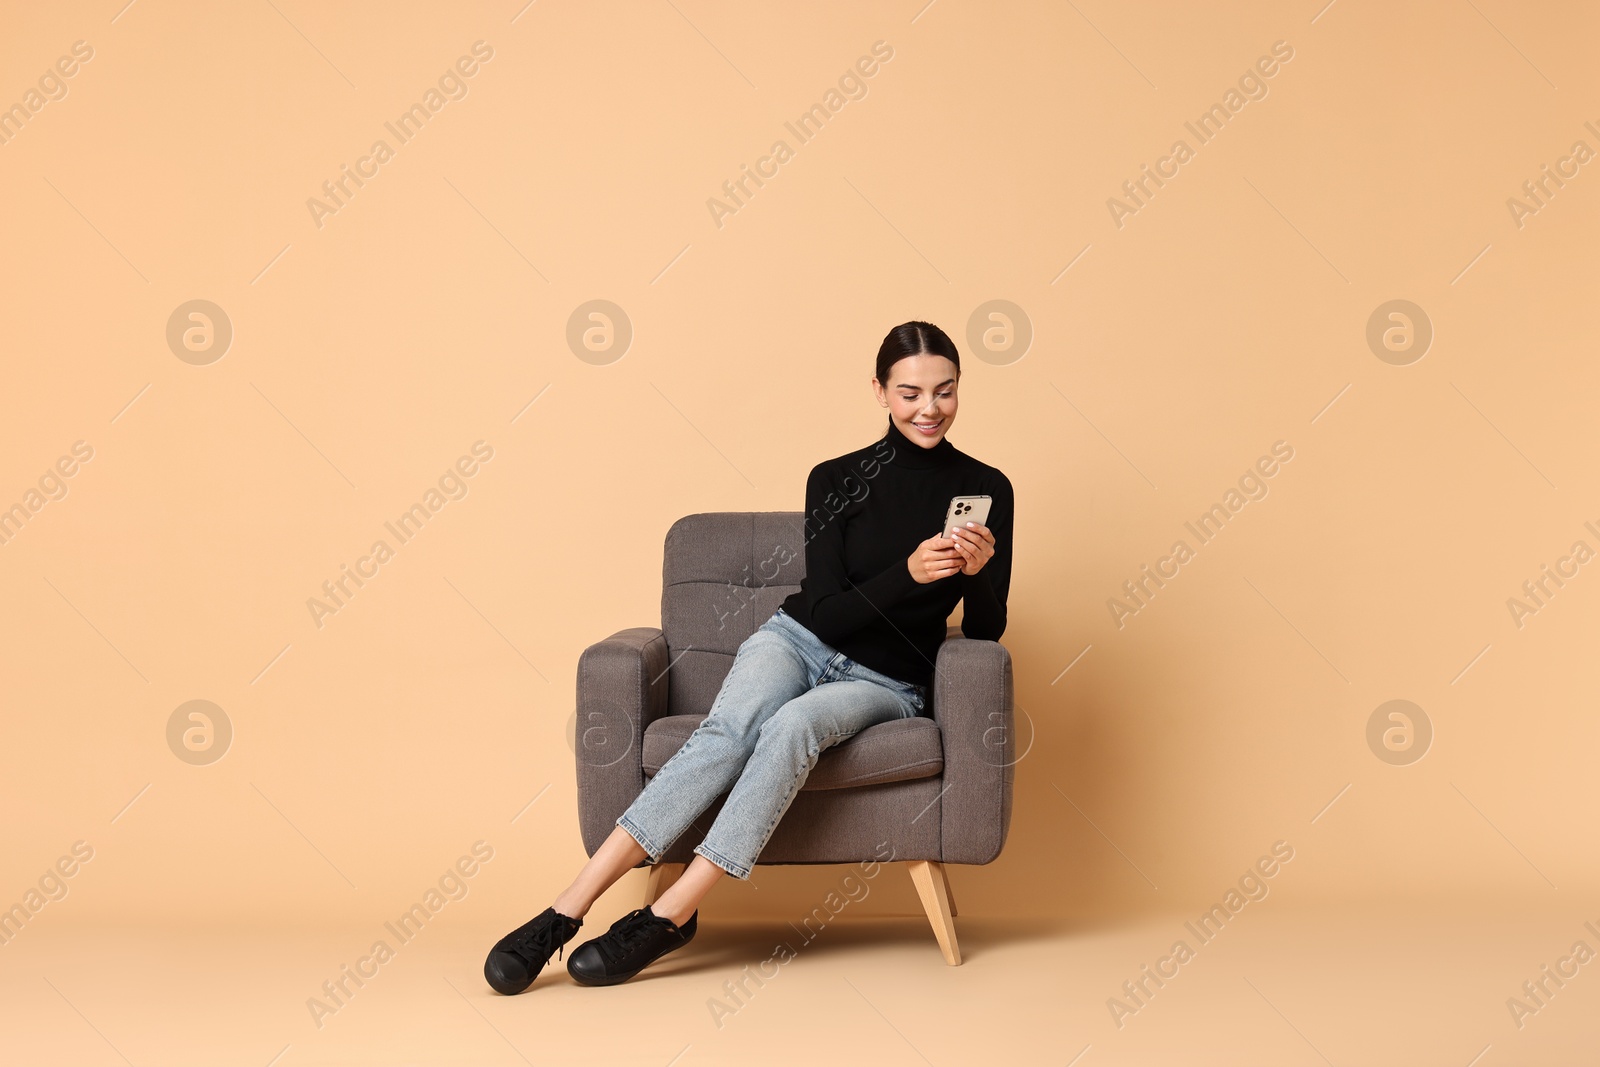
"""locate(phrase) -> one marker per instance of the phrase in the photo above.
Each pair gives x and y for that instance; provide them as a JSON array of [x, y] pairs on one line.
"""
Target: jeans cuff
[[741, 873], [641, 838]]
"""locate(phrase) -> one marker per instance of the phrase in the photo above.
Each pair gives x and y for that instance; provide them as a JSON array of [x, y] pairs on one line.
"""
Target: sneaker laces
[[628, 932], [544, 939]]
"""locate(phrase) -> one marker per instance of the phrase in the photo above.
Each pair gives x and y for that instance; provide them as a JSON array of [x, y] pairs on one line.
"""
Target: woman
[[855, 646]]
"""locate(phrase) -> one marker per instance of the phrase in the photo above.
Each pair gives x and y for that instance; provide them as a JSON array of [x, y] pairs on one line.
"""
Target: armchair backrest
[[723, 574]]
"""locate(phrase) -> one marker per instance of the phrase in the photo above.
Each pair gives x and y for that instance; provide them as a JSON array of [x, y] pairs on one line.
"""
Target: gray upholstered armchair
[[926, 791]]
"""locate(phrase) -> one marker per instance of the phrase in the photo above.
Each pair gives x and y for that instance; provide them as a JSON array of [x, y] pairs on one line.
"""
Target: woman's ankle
[[670, 908], [572, 908]]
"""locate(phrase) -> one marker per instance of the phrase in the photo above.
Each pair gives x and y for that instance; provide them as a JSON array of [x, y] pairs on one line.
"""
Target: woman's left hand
[[976, 545]]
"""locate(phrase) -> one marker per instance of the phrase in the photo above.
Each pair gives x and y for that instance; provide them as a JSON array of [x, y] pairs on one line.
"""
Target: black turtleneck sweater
[[866, 512]]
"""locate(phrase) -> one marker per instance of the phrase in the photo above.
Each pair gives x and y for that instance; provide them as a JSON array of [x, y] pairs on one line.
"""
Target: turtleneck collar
[[914, 456]]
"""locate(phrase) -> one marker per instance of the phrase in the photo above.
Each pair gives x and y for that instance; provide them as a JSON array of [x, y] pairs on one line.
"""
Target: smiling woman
[[854, 647]]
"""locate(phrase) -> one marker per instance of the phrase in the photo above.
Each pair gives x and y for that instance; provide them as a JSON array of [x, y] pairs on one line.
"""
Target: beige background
[[1168, 354]]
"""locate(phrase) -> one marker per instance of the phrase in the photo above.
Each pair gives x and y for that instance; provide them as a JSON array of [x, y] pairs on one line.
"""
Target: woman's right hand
[[935, 558]]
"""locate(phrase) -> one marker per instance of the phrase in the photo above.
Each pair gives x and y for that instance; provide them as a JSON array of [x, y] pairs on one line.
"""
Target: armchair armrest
[[973, 705], [622, 688]]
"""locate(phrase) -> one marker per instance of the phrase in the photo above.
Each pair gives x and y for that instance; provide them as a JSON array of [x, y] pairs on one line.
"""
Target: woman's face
[[921, 397]]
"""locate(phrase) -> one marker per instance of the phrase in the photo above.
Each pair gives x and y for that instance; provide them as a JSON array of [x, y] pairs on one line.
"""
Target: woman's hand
[[939, 557], [975, 544], [935, 558]]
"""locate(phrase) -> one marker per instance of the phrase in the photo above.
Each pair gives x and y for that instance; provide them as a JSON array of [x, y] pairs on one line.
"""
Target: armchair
[[932, 790]]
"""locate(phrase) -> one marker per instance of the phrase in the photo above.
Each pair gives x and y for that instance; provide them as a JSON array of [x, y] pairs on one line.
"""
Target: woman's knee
[[726, 729], [791, 728]]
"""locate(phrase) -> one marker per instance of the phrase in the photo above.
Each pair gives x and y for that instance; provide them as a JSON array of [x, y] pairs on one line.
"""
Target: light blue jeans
[[787, 697]]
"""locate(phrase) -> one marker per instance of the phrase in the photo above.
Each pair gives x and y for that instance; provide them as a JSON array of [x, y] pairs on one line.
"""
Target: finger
[[979, 532]]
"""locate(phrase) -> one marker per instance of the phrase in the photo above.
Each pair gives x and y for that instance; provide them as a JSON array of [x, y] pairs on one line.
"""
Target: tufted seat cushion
[[892, 751]]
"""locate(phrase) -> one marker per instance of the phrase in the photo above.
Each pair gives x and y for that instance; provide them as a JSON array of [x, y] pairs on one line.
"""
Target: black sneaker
[[517, 958], [634, 942]]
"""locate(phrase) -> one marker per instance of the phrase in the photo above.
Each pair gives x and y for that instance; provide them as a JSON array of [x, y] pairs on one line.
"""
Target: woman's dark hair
[[914, 338]]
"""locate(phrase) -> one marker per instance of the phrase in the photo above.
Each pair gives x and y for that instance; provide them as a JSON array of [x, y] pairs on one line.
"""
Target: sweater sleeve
[[983, 608], [838, 607]]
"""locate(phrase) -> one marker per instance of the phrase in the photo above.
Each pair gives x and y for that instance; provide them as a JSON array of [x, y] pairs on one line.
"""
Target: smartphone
[[965, 509]]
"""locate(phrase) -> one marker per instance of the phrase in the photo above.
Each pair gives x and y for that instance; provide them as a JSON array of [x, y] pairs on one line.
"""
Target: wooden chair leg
[[950, 895], [929, 879], [662, 875]]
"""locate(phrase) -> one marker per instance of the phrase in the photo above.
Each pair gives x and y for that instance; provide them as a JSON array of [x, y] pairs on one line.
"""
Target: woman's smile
[[921, 397]]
